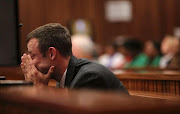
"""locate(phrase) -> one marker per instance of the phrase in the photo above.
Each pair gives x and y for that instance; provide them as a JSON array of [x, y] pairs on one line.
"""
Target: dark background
[[9, 43]]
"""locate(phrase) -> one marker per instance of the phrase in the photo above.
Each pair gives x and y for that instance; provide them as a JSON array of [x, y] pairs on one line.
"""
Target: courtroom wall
[[151, 19]]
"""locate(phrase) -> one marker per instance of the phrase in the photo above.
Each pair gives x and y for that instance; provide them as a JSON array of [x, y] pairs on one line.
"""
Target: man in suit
[[50, 56]]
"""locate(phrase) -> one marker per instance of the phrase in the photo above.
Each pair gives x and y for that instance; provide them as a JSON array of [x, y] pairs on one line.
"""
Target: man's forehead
[[32, 45]]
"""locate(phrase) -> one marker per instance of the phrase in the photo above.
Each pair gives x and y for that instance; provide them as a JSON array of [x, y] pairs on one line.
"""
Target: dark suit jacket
[[83, 73]]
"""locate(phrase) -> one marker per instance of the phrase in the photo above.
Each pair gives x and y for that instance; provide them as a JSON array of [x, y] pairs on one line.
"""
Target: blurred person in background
[[175, 61], [83, 46], [133, 53], [169, 47], [152, 53], [111, 58], [99, 50], [119, 41]]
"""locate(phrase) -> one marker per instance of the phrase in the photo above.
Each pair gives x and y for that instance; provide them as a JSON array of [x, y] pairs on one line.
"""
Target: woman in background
[[153, 53], [175, 61], [169, 47]]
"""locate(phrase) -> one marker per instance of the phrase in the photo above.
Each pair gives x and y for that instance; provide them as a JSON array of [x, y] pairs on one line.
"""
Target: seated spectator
[[169, 47], [50, 57], [112, 59], [175, 61], [119, 41], [82, 46], [133, 54], [153, 53]]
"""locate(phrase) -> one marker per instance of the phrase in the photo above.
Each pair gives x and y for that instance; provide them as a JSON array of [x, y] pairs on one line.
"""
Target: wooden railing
[[163, 82], [26, 100], [12, 73], [152, 69]]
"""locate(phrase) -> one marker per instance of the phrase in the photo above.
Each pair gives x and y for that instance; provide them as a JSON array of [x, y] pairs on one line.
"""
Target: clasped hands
[[31, 73]]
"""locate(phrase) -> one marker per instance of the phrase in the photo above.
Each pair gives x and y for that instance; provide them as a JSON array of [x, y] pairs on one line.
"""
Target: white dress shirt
[[62, 81]]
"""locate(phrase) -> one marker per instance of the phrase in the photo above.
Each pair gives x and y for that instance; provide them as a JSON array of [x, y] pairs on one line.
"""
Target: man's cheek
[[43, 69]]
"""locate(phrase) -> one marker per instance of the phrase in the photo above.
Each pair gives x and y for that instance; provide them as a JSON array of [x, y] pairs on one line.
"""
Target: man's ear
[[52, 53]]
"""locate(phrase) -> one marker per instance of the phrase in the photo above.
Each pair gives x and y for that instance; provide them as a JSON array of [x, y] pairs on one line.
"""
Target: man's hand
[[31, 73]]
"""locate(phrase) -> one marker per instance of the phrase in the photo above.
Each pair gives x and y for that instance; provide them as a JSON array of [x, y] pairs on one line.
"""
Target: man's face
[[40, 62]]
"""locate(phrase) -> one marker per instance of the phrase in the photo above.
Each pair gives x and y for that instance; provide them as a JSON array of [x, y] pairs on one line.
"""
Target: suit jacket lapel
[[70, 71]]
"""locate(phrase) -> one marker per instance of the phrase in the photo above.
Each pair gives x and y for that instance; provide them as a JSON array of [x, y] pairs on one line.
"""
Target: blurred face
[[109, 50], [77, 52], [40, 62], [165, 46], [149, 49]]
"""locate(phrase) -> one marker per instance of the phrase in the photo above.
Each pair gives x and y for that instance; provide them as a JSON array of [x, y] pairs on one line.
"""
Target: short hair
[[52, 35], [133, 45]]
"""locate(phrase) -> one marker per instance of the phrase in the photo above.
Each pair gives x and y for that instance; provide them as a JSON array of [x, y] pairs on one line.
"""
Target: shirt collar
[[62, 81]]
